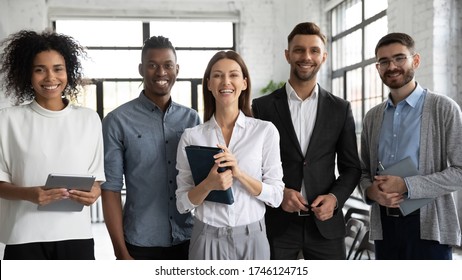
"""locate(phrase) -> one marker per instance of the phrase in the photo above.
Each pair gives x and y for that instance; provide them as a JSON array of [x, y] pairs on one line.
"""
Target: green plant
[[271, 86]]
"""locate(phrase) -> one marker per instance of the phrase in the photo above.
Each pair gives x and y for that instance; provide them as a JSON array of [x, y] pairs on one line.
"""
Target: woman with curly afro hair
[[45, 133]]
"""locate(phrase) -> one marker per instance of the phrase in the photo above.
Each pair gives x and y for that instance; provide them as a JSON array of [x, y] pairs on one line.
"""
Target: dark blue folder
[[201, 160]]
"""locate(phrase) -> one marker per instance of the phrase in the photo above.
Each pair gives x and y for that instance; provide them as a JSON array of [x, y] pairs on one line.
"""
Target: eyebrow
[[396, 55], [163, 62], [44, 66], [307, 47], [232, 71]]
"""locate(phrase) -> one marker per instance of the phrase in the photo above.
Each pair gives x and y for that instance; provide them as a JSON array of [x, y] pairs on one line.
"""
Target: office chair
[[353, 235]]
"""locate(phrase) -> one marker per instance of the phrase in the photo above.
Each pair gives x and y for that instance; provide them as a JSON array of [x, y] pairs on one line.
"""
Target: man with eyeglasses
[[424, 128], [140, 145]]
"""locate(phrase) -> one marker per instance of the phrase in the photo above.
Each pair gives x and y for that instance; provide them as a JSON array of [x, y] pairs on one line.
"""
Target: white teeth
[[162, 83], [305, 65], [226, 91], [51, 87]]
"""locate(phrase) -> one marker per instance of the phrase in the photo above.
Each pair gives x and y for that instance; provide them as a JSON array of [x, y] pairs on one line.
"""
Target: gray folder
[[406, 168]]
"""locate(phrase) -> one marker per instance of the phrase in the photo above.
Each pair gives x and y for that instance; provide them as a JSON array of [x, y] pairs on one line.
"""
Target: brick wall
[[435, 25]]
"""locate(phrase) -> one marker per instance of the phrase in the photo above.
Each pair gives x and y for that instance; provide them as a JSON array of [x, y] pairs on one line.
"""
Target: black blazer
[[333, 135]]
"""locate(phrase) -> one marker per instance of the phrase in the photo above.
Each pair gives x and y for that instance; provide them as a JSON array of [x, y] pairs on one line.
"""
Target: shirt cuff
[[336, 200], [408, 193]]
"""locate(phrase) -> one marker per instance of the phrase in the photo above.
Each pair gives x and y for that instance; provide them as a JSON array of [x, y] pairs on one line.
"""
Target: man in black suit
[[317, 130]]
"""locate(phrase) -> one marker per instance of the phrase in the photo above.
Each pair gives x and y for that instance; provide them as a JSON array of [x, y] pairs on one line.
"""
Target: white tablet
[[71, 182]]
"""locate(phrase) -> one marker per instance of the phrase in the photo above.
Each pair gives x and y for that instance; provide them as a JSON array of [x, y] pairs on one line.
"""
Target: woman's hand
[[42, 196], [219, 180], [228, 160], [84, 197]]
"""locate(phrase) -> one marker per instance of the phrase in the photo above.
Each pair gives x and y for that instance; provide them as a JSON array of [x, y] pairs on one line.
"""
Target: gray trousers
[[248, 242]]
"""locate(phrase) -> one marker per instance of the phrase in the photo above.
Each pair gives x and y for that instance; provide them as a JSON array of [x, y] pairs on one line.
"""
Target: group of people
[[290, 158]]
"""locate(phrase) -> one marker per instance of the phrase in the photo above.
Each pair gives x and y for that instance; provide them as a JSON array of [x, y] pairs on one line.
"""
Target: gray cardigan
[[440, 164]]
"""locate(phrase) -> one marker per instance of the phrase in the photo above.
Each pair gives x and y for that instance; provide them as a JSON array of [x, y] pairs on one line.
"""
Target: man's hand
[[387, 199], [391, 184], [293, 201], [323, 207]]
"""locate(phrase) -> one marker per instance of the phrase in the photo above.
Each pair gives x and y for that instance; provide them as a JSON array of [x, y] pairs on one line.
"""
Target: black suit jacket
[[333, 136]]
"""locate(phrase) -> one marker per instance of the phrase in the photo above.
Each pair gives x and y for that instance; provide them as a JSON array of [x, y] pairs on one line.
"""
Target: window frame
[[342, 72], [145, 28]]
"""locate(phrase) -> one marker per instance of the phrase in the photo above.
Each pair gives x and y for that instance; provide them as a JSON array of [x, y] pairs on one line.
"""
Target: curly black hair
[[18, 55]]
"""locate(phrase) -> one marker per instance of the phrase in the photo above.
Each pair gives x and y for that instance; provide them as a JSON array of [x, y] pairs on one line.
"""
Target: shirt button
[[169, 162], [305, 163], [166, 142], [171, 198]]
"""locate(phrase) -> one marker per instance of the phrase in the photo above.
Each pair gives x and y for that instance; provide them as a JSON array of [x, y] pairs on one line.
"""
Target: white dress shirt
[[255, 144], [303, 113]]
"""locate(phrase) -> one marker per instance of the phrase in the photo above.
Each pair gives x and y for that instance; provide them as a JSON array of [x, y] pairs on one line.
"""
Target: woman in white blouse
[[251, 154]]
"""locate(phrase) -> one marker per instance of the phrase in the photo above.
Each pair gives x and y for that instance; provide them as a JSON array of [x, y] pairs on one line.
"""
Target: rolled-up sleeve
[[113, 154]]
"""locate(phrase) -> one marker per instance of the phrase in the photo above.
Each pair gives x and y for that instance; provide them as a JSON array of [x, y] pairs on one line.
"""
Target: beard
[[306, 76], [396, 83]]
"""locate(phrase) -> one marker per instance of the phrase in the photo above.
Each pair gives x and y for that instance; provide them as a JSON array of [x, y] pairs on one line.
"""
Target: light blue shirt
[[400, 131], [140, 144]]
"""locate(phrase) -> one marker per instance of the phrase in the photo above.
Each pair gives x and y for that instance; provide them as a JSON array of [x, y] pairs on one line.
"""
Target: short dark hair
[[306, 28], [157, 42], [401, 38], [209, 100], [18, 56]]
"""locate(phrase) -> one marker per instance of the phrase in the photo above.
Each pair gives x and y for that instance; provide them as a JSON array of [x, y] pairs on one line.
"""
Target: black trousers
[[302, 235], [401, 241], [176, 252], [80, 249]]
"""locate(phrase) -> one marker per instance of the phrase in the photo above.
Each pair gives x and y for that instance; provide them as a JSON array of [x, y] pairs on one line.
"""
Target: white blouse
[[255, 144], [35, 142]]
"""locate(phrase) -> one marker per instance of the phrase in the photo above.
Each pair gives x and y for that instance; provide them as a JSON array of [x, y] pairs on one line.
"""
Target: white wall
[[263, 24], [435, 25], [20, 14]]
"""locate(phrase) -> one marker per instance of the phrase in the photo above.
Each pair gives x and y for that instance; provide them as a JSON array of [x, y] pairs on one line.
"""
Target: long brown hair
[[209, 100]]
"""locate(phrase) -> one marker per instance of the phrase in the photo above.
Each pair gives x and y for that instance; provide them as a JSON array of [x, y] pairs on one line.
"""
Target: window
[[114, 50], [357, 25]]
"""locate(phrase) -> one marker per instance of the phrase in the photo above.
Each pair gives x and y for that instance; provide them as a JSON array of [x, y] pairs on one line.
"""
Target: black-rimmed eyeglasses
[[397, 61]]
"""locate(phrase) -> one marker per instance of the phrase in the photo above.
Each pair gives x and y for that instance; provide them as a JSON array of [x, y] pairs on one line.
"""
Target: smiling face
[[305, 55], [159, 71], [396, 77], [226, 82], [49, 77]]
